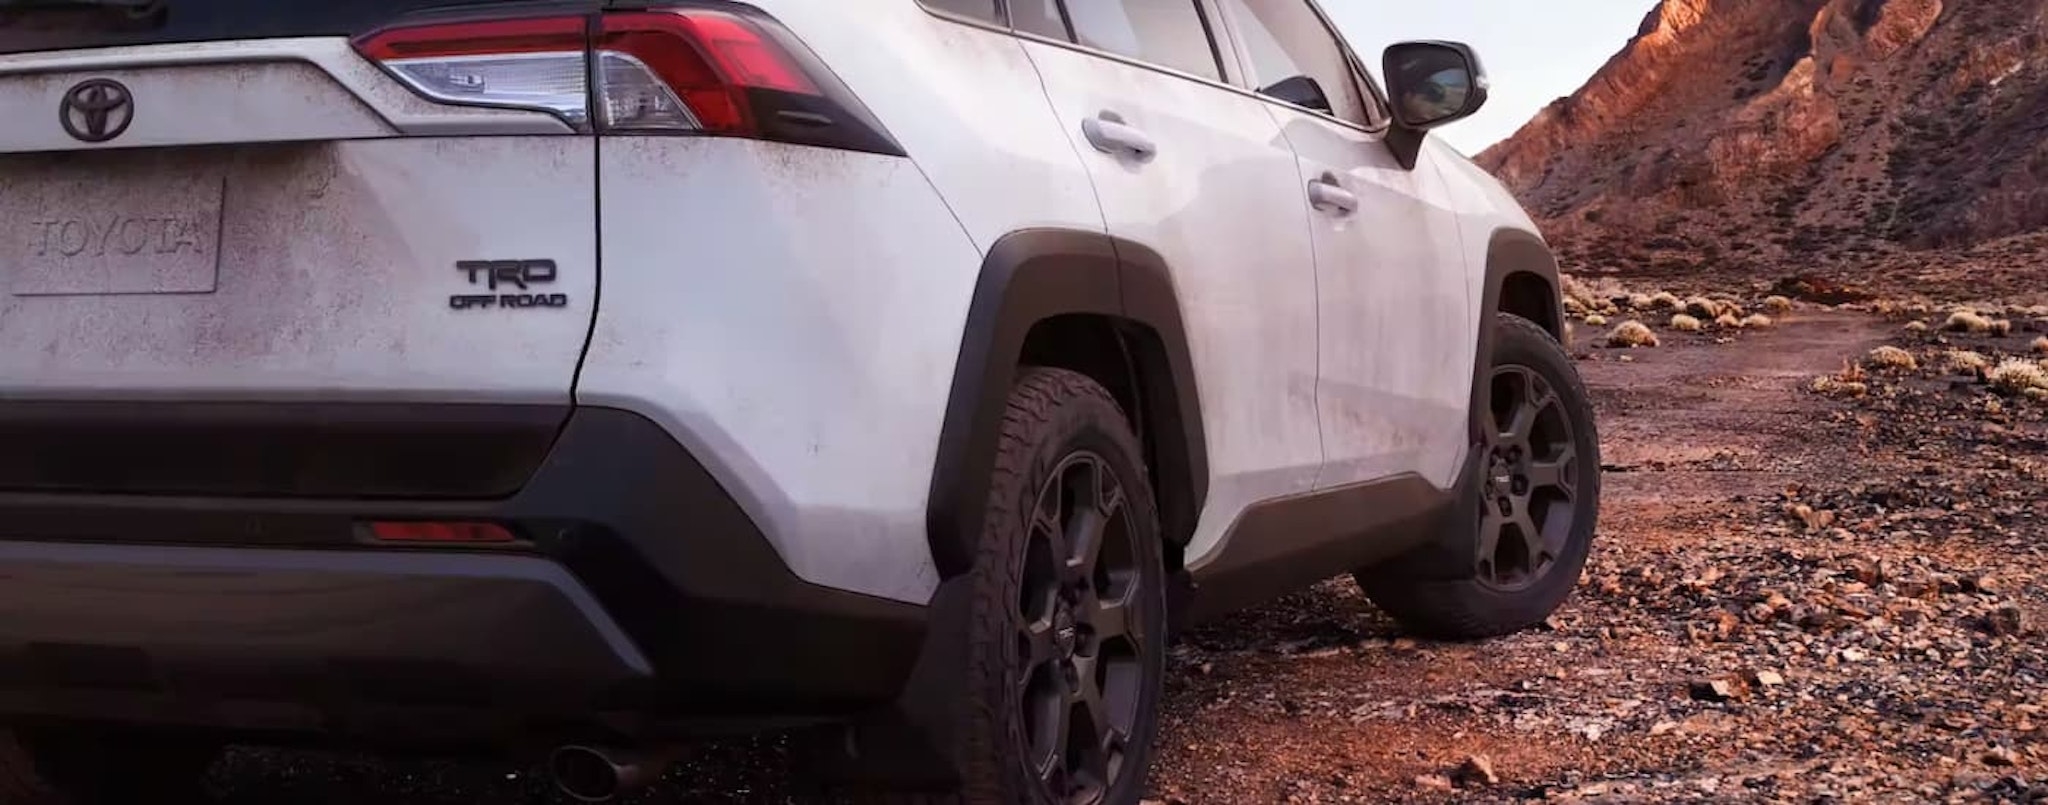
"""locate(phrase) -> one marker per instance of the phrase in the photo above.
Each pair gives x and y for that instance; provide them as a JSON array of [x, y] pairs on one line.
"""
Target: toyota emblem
[[97, 111]]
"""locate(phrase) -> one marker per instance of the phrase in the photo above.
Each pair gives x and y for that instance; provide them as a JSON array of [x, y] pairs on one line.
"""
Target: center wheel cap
[[1064, 632]]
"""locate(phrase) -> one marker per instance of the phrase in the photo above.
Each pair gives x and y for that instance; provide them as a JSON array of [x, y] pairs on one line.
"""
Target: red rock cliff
[[1752, 131]]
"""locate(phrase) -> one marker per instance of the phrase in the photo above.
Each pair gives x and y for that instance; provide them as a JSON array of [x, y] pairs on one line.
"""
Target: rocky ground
[[1797, 596]]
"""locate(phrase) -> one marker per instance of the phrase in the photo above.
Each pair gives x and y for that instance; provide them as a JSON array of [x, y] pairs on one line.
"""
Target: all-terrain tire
[[1474, 608], [85, 766], [1056, 421]]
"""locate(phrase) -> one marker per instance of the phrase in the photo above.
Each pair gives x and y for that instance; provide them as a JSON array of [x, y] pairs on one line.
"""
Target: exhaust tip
[[585, 774]]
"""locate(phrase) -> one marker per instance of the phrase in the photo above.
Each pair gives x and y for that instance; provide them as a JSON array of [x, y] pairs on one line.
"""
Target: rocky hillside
[[1749, 135]]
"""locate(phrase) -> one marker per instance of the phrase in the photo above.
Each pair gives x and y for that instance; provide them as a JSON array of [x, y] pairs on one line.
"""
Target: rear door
[[227, 200], [1201, 175]]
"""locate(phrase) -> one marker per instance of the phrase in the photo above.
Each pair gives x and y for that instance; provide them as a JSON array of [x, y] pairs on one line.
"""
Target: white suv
[[584, 376]]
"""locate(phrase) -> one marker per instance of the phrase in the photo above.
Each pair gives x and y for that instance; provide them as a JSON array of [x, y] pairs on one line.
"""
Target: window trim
[[1231, 72], [1001, 22], [1378, 118], [1202, 15]]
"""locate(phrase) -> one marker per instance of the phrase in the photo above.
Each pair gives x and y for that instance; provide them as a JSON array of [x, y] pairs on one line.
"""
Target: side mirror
[[1301, 91], [1431, 84], [1434, 83]]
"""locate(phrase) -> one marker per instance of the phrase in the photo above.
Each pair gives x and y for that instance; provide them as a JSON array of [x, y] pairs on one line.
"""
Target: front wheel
[[1538, 496]]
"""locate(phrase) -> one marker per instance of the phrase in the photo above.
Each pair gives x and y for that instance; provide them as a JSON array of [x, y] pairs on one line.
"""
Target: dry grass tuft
[[1916, 326], [1706, 309], [1777, 305], [1665, 300], [1962, 361], [1889, 357], [2016, 375], [1632, 334], [1837, 387], [2041, 345], [1967, 321], [1728, 321], [1641, 301], [2001, 328], [2037, 395], [1596, 320], [1757, 321], [1686, 323]]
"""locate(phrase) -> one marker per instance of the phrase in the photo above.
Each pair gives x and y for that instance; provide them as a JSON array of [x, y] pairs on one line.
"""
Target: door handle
[[1111, 135], [1327, 195]]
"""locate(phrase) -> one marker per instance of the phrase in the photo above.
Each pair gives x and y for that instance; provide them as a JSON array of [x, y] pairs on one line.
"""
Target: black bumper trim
[[378, 626], [729, 630]]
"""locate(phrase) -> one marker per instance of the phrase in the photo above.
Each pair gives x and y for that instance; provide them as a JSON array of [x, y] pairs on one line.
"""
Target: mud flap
[[912, 745]]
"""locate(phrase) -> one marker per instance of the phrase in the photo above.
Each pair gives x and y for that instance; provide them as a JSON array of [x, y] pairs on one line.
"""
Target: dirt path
[[1720, 648]]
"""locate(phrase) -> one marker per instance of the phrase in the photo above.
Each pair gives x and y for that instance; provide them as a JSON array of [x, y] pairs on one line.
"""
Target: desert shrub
[[1967, 321], [1962, 361], [2016, 375], [1890, 357], [1632, 334], [1686, 323]]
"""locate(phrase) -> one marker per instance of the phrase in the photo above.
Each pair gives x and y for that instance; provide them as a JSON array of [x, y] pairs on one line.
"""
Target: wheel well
[[1120, 354], [1530, 296]]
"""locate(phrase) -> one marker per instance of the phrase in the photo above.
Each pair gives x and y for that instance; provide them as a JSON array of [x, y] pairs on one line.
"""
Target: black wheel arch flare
[[1028, 277], [1522, 279]]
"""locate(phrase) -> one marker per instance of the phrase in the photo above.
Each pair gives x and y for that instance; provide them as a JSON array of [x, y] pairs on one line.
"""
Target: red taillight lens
[[441, 533], [702, 67], [707, 59], [487, 38]]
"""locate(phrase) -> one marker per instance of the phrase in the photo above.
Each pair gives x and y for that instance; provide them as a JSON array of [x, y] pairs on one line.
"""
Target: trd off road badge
[[502, 278]]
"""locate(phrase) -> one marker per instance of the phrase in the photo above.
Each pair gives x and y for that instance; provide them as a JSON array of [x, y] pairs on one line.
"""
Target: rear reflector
[[441, 533], [703, 67]]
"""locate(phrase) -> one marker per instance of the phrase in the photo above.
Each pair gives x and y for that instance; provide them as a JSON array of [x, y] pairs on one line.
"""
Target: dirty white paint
[[1222, 204], [262, 90], [793, 315], [311, 270], [1398, 328]]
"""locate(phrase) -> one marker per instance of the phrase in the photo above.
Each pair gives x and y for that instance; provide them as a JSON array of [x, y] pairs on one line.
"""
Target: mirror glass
[[1431, 83]]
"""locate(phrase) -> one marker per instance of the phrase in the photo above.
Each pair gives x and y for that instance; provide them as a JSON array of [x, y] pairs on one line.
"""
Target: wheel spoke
[[1532, 538], [1046, 522], [1491, 525], [1112, 619], [1554, 474], [1095, 756], [1038, 646], [1084, 538]]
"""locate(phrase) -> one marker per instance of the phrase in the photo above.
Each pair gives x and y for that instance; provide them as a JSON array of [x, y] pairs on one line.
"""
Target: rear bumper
[[639, 597]]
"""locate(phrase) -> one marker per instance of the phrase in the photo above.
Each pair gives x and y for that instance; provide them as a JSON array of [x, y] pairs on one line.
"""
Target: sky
[[1534, 51]]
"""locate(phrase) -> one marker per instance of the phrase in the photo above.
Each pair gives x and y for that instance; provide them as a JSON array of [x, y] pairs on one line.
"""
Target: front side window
[[1169, 33], [1294, 57]]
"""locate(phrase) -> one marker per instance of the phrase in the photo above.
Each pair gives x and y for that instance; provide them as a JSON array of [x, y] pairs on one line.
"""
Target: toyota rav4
[[573, 379]]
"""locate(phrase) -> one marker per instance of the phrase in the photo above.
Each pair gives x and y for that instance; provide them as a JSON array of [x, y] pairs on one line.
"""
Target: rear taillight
[[703, 68]]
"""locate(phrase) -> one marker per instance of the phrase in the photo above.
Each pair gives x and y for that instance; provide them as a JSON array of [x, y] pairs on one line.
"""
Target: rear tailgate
[[224, 204]]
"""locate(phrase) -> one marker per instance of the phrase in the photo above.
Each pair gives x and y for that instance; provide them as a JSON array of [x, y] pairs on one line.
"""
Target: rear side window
[[984, 10], [1169, 33], [1286, 40], [1042, 17]]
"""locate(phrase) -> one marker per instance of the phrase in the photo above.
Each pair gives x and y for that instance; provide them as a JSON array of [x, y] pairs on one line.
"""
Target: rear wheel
[[1538, 497], [103, 766], [1067, 646]]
